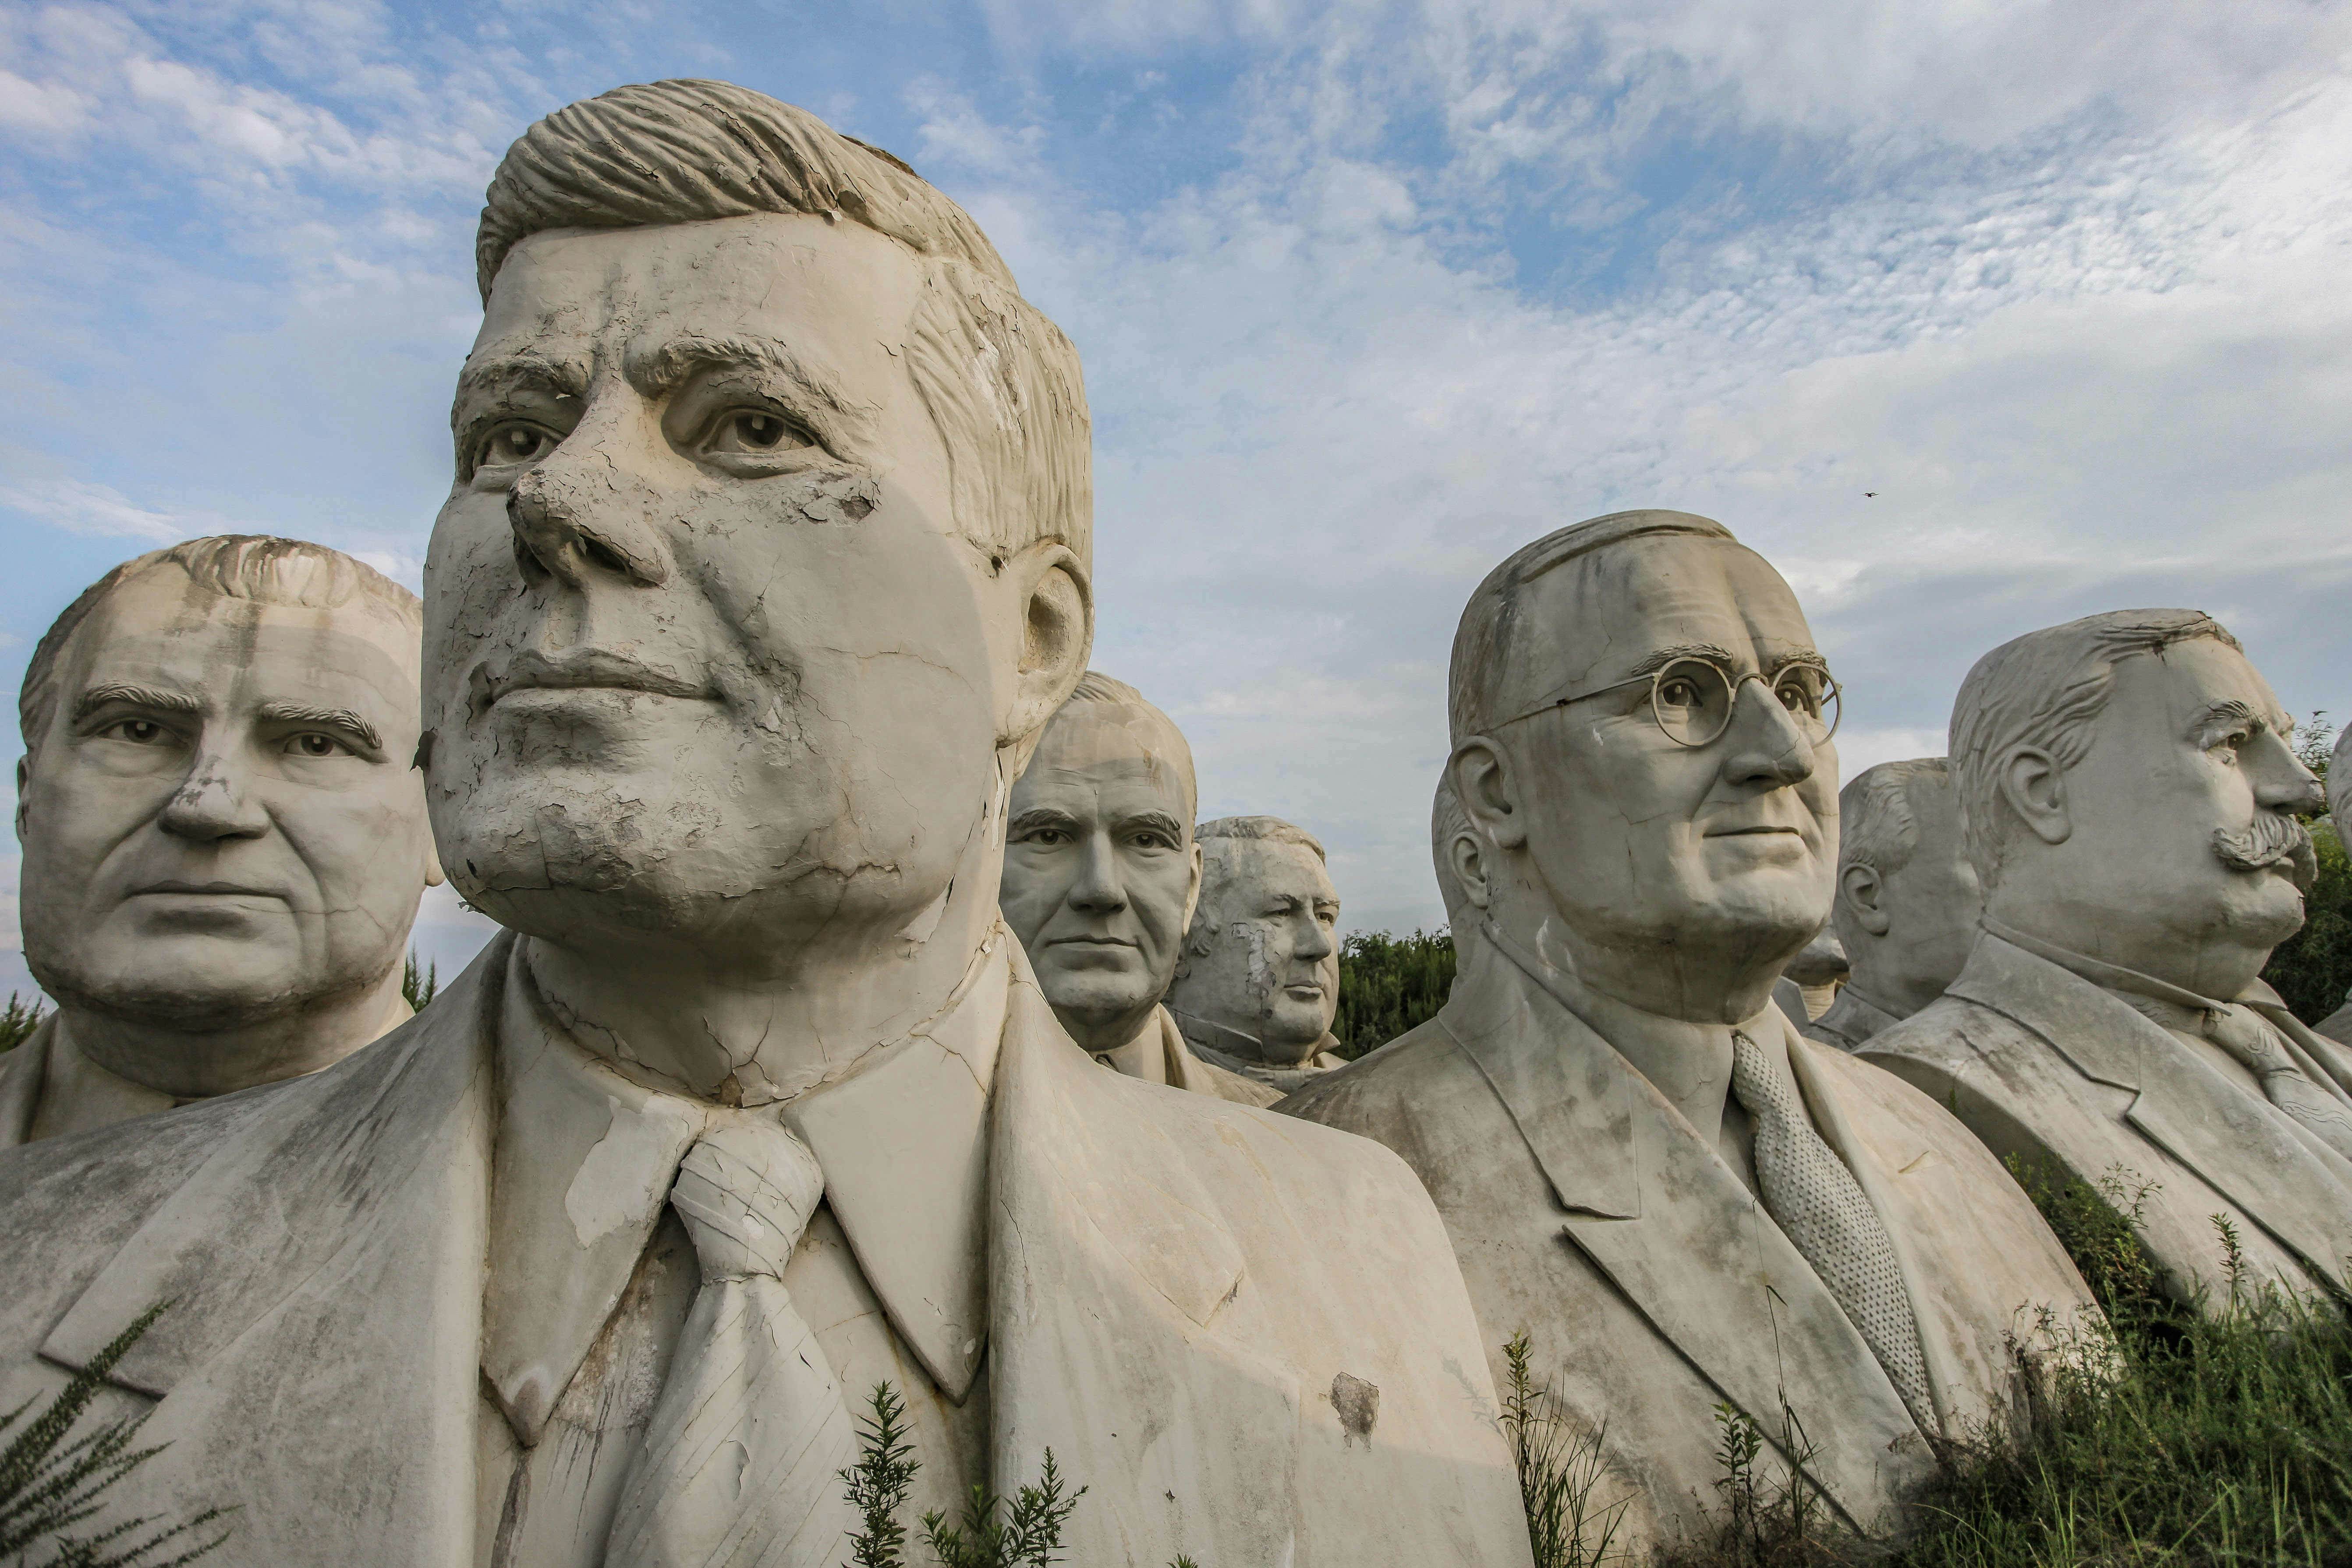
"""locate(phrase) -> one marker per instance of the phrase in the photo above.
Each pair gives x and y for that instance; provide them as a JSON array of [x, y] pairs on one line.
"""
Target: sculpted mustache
[[2270, 840]]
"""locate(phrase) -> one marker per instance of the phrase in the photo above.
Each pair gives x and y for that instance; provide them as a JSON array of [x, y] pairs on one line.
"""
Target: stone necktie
[[1820, 1207], [742, 1460], [2249, 1037]]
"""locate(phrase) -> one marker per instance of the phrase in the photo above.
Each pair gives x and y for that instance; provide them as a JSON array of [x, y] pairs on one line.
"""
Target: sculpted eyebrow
[[814, 394], [1042, 817], [342, 719], [1667, 655], [1158, 819], [512, 371], [122, 692], [2220, 717]]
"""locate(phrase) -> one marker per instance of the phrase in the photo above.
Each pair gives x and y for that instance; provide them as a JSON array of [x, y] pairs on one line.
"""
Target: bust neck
[[681, 1017], [196, 1064]]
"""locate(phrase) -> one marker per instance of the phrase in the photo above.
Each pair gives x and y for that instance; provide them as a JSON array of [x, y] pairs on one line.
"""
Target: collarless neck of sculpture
[[181, 1064], [1687, 1061]]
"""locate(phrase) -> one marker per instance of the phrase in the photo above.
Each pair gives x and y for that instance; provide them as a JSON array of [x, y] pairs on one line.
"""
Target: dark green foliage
[[419, 985], [1560, 1473], [1769, 1518], [878, 1482], [2312, 970], [2178, 1437], [1028, 1535], [1024, 1534], [1388, 985], [49, 1485], [18, 1019]]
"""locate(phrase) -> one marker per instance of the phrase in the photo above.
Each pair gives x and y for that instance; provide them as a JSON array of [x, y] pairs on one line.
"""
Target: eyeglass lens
[[1692, 699]]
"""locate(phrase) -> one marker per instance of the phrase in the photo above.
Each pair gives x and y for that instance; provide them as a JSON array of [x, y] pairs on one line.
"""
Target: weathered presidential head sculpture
[[223, 832], [1100, 870], [1664, 828], [764, 470], [2128, 790], [1644, 769], [1907, 899], [1259, 983], [2128, 798]]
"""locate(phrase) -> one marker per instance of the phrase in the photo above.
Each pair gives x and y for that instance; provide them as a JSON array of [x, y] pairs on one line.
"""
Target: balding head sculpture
[[1641, 749], [2128, 798], [223, 831], [1259, 983], [1102, 874], [1907, 898], [765, 567]]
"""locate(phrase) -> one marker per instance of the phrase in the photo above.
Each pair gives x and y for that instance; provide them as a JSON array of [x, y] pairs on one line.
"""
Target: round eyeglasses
[[1691, 698]]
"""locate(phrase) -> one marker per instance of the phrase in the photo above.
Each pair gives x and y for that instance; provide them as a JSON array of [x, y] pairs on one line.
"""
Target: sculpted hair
[[2043, 691], [1000, 380], [291, 573], [1877, 827], [1485, 642], [1098, 688]]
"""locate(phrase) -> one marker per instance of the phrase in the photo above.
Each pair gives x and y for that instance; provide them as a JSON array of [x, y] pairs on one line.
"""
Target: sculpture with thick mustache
[[2270, 840]]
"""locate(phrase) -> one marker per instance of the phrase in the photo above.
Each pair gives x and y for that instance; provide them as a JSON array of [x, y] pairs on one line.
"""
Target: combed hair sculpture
[[1001, 382]]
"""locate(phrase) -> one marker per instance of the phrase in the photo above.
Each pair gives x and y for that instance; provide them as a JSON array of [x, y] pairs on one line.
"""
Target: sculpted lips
[[576, 670], [228, 890]]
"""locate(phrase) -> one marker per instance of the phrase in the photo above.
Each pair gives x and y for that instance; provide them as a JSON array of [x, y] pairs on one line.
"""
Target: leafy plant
[[2312, 970], [19, 1018], [1560, 1472], [49, 1485], [1388, 984], [1025, 1531]]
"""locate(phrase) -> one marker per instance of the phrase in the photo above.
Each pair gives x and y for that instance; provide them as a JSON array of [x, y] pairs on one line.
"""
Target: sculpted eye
[[1149, 840], [311, 743], [514, 442], [1677, 692], [1048, 836], [757, 431], [139, 732]]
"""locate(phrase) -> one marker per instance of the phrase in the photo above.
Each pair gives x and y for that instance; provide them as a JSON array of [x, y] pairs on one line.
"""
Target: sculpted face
[[1678, 878], [1100, 870], [706, 663], [2170, 847], [221, 824], [1272, 969], [1916, 924]]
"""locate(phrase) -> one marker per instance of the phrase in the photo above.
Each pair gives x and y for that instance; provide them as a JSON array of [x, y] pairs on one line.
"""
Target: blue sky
[[1368, 295]]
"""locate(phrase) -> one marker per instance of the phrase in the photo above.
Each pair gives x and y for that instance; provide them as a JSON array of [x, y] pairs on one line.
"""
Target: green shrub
[[18, 1019]]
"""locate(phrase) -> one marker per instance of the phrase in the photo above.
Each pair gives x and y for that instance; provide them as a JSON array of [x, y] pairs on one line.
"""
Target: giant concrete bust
[[2127, 797], [1101, 872], [1259, 982], [1907, 898], [1643, 1166], [223, 831], [765, 566]]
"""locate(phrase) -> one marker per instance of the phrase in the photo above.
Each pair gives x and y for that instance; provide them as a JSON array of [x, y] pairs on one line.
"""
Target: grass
[[19, 1018]]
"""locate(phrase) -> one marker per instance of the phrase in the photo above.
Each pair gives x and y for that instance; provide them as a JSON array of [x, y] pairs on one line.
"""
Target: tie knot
[[746, 1192], [1753, 1081]]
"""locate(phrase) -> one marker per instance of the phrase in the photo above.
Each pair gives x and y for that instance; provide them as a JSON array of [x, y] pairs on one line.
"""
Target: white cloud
[[79, 506]]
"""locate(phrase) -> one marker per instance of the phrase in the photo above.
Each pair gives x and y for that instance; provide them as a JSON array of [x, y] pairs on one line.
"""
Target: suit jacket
[[1588, 1213], [1198, 1368], [2041, 1063]]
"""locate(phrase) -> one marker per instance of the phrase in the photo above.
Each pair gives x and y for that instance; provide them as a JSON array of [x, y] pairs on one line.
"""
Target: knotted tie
[[741, 1462], [2249, 1037], [1820, 1207]]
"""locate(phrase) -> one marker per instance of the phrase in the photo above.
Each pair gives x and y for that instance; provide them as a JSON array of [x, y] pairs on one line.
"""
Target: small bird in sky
[[1868, 495]]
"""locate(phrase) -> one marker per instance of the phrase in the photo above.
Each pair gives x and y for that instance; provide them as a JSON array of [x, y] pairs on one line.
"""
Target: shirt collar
[[584, 1159]]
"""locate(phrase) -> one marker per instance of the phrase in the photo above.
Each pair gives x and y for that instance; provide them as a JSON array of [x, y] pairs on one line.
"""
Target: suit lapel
[[1661, 1215], [2232, 1140]]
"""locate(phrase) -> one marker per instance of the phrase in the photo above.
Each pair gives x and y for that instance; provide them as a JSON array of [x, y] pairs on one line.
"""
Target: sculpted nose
[[1099, 890], [1763, 746], [564, 531], [2282, 784], [1314, 942], [211, 807]]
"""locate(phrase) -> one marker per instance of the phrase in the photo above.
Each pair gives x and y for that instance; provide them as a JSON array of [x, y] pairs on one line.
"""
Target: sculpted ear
[[2033, 783], [1482, 783], [1860, 887], [1469, 868], [1057, 632], [1193, 888]]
